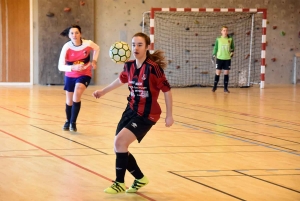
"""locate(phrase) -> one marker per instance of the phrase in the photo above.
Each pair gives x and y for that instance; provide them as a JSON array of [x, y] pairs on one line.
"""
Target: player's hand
[[169, 121], [231, 54], [98, 93], [213, 60], [77, 67], [94, 64]]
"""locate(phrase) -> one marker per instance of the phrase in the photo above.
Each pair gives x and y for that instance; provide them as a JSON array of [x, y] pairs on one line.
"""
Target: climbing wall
[[125, 17], [53, 17]]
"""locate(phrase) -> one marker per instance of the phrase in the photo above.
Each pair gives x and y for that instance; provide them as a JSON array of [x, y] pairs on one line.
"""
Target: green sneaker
[[115, 188], [137, 184]]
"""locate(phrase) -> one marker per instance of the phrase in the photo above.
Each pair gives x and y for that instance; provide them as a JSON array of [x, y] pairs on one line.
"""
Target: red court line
[[26, 115], [71, 162], [91, 122]]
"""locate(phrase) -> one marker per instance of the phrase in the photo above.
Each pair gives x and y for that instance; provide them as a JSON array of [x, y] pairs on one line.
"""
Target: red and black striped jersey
[[144, 84]]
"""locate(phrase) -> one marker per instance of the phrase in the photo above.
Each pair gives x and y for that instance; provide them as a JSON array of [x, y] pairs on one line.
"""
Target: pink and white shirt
[[72, 55]]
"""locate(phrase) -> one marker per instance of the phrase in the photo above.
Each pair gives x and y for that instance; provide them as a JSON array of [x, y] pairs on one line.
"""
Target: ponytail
[[159, 58]]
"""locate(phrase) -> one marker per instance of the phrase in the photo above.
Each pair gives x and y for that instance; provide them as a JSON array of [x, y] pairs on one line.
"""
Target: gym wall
[[114, 20]]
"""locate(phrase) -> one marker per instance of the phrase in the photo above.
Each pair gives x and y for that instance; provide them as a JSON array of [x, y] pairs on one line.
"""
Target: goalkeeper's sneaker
[[214, 89], [115, 188], [137, 184], [226, 91]]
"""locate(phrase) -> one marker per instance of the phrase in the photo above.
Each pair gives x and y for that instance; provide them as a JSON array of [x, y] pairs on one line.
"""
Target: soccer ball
[[119, 52]]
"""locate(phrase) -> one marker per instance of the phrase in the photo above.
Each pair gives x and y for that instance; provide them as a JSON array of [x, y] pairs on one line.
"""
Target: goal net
[[188, 38]]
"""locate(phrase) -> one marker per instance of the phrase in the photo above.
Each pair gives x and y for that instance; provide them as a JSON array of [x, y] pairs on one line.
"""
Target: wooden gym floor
[[239, 146]]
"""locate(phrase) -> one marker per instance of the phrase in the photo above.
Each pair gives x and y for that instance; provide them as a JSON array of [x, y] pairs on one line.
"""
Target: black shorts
[[223, 64], [138, 125], [70, 82]]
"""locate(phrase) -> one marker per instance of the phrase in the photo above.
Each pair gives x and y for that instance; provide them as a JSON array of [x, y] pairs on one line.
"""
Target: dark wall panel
[[49, 28]]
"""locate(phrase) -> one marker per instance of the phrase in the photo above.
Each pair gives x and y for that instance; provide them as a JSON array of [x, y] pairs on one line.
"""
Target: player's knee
[[120, 145]]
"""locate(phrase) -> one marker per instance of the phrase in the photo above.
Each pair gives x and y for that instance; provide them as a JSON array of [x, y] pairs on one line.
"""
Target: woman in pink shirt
[[76, 62]]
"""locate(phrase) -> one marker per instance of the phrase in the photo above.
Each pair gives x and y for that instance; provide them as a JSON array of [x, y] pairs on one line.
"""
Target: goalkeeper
[[223, 51]]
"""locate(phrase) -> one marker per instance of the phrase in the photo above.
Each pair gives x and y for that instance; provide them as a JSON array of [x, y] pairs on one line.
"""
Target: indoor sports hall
[[242, 145]]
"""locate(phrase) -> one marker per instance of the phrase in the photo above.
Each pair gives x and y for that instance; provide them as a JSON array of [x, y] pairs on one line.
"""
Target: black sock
[[68, 112], [75, 111], [217, 77], [226, 80], [133, 168], [121, 164]]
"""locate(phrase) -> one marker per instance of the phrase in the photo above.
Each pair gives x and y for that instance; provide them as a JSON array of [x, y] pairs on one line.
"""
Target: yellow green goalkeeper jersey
[[223, 47]]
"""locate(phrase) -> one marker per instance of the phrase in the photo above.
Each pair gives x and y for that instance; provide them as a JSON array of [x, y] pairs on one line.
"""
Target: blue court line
[[267, 146]]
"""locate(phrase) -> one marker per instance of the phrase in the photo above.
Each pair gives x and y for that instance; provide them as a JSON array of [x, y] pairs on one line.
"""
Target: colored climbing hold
[[273, 59], [67, 9], [248, 33], [282, 33], [247, 56], [82, 3], [49, 14], [274, 27]]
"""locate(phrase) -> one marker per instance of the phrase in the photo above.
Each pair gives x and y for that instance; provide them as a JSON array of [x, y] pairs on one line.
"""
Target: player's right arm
[[62, 62], [115, 84], [215, 48]]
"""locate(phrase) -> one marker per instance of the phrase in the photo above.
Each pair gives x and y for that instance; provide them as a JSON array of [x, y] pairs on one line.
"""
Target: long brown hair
[[158, 56]]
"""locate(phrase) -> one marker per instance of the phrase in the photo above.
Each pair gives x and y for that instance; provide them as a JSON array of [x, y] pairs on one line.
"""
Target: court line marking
[[266, 181], [70, 140], [225, 135], [223, 192], [251, 141], [231, 111], [68, 161]]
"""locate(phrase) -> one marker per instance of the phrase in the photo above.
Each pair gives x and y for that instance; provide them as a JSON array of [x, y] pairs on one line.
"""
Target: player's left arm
[[96, 51], [164, 86], [169, 108], [231, 47]]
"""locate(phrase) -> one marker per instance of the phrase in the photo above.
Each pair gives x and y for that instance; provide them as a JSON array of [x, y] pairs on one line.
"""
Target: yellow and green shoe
[[115, 188], [137, 184]]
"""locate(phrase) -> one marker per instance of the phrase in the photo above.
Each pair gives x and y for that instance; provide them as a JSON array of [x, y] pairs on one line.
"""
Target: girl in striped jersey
[[75, 61], [145, 78]]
